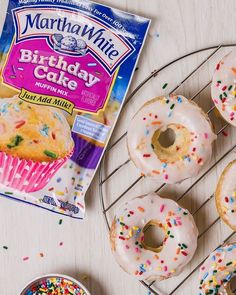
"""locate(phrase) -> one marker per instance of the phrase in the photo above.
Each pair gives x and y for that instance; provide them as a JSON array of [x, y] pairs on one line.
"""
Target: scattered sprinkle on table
[[58, 179], [60, 221], [225, 133], [217, 67], [164, 86]]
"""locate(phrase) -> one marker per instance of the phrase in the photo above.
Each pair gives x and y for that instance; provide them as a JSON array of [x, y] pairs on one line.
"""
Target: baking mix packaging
[[66, 66]]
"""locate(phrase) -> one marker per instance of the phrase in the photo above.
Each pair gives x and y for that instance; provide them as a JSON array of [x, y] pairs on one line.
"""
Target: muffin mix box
[[66, 66]]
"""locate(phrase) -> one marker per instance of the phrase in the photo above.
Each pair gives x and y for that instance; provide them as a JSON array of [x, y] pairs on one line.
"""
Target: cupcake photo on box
[[35, 142]]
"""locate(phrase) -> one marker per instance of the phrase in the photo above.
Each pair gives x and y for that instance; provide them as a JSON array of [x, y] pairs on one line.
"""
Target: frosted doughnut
[[223, 88], [217, 271], [226, 195], [128, 243], [191, 150]]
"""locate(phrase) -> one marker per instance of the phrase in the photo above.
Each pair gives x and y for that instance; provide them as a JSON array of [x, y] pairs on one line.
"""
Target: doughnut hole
[[154, 236], [167, 138], [171, 143], [231, 286]]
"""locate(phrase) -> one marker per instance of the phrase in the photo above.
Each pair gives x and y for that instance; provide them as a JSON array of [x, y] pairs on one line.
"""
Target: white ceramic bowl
[[37, 280]]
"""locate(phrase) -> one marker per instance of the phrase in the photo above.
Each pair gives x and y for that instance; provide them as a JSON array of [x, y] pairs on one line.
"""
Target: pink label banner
[[34, 66]]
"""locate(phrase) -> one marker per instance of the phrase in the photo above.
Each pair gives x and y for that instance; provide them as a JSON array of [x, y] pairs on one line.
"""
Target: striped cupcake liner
[[27, 175]]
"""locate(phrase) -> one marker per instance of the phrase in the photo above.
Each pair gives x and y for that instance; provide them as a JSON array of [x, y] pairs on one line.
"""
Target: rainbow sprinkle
[[55, 286], [226, 94], [126, 232], [218, 270], [164, 86]]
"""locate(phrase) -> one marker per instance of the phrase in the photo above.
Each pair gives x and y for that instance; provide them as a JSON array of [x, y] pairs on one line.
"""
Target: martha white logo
[[72, 33]]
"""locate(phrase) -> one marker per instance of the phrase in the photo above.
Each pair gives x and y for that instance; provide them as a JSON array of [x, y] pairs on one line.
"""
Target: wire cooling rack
[[188, 186]]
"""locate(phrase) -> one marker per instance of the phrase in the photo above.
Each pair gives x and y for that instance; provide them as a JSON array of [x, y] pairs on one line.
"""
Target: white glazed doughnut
[[128, 244], [226, 195], [223, 89], [191, 149], [217, 271]]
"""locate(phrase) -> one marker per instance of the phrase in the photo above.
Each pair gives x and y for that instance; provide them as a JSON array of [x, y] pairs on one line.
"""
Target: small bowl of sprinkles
[[54, 284]]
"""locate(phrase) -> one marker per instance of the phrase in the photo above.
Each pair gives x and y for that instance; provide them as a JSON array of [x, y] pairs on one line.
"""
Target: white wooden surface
[[178, 27]]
